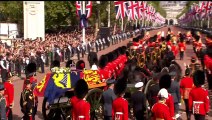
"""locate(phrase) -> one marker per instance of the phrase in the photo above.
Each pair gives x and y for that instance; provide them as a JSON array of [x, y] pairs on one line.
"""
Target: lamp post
[[83, 28]]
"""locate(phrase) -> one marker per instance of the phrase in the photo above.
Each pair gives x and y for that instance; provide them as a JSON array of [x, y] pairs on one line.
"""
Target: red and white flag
[[121, 9]]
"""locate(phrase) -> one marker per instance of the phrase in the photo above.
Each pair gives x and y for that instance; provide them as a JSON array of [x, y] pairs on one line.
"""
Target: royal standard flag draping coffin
[[91, 77], [56, 85]]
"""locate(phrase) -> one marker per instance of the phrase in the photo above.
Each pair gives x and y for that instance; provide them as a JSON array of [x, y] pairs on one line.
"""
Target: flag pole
[[83, 28], [122, 24], [109, 14]]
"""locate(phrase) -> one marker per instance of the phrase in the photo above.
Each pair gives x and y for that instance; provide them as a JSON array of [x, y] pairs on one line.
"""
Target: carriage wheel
[[49, 114], [94, 97]]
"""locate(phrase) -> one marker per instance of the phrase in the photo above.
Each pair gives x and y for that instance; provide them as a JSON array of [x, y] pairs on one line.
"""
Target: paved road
[[18, 82]]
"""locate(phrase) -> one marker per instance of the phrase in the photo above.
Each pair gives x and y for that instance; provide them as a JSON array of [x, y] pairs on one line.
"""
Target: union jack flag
[[132, 10], [148, 12], [79, 12], [88, 8], [121, 9]]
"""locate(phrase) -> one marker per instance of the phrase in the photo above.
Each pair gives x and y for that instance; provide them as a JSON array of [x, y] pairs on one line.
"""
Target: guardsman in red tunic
[[81, 108], [186, 84], [174, 48], [165, 82], [31, 69], [103, 70], [182, 47], [208, 60], [73, 102], [198, 97], [120, 105], [160, 110], [9, 96]]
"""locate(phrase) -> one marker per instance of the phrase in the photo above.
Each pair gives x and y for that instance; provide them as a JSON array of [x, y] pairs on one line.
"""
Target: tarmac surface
[[18, 83]]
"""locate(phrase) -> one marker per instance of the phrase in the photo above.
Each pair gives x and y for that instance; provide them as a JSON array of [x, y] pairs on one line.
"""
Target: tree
[[186, 8]]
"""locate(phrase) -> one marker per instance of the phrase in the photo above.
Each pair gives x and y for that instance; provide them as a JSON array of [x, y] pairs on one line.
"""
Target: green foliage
[[186, 8], [158, 8]]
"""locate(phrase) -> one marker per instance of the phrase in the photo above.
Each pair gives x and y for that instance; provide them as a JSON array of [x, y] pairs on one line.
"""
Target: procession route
[[18, 83]]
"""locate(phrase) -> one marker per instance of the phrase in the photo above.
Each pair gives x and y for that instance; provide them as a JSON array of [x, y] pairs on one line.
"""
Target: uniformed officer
[[186, 84], [182, 47], [42, 62], [103, 43], [198, 97], [160, 110], [108, 97], [120, 105], [92, 57], [27, 102], [78, 50], [2, 103], [9, 96], [97, 45], [100, 44], [81, 108], [139, 102], [165, 82], [174, 90], [30, 72], [4, 68]]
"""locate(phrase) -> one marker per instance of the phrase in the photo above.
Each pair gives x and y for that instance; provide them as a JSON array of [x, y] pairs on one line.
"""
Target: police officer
[[42, 62], [139, 102], [2, 103], [100, 44], [9, 96], [78, 49], [108, 97], [97, 45], [27, 102]]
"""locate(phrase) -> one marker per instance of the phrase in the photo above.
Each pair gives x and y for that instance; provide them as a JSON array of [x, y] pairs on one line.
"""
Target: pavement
[[18, 82]]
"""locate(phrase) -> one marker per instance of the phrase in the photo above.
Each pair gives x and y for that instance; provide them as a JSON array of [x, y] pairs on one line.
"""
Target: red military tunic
[[81, 109], [182, 47], [208, 62], [73, 102], [9, 93], [103, 74], [120, 105], [135, 43], [161, 111], [199, 46], [186, 84], [169, 43], [170, 104], [174, 50], [199, 101]]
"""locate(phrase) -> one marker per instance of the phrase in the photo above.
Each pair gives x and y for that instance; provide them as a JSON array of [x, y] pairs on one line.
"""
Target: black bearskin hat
[[110, 57], [165, 81], [187, 71], [199, 78], [120, 86], [197, 38], [135, 39], [55, 63], [124, 49], [115, 54], [103, 61], [80, 65], [168, 37], [31, 67], [81, 88], [68, 63], [209, 40]]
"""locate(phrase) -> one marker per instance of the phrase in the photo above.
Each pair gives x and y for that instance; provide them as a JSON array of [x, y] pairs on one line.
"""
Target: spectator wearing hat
[[4, 68], [2, 103], [27, 102], [108, 97], [81, 108], [9, 96], [139, 102], [174, 90], [120, 105], [198, 97], [160, 111], [186, 84]]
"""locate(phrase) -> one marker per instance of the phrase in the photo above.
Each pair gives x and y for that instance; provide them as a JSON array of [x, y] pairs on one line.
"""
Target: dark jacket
[[108, 97], [174, 90]]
